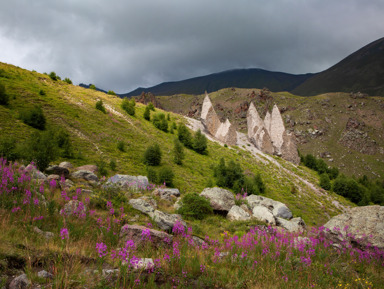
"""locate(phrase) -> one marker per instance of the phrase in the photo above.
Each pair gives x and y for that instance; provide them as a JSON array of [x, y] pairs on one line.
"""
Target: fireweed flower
[[146, 234], [14, 210], [178, 228], [36, 201], [52, 184], [166, 257], [64, 233], [101, 249]]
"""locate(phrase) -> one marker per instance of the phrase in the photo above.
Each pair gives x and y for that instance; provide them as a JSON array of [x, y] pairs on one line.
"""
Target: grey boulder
[[221, 200], [86, 175], [127, 181], [166, 194], [237, 213], [261, 213], [278, 209], [166, 221]]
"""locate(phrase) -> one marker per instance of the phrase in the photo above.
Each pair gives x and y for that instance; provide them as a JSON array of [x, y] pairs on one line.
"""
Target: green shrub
[[178, 152], [42, 92], [151, 106], [111, 92], [147, 113], [67, 80], [195, 207], [4, 99], [165, 176], [64, 143], [184, 136], [152, 175], [348, 188], [100, 106], [53, 76], [92, 86], [102, 168], [200, 143], [333, 173], [41, 148], [152, 155], [325, 182], [112, 164], [121, 146], [8, 148], [129, 106], [160, 122], [34, 117]]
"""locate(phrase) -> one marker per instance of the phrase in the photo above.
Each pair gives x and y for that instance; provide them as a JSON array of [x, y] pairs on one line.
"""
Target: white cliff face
[[207, 104], [254, 121], [277, 129], [267, 122]]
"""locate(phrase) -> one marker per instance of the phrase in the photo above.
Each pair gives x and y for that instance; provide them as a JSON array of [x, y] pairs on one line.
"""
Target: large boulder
[[289, 149], [144, 205], [92, 168], [66, 165], [278, 209], [295, 225], [46, 235], [57, 170], [167, 194], [85, 175], [74, 207], [362, 224], [20, 282], [238, 214], [261, 213], [35, 173], [221, 200], [135, 233], [166, 221], [128, 182]]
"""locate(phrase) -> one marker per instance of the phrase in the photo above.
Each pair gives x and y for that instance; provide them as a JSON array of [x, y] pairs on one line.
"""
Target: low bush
[[147, 113], [195, 207], [4, 99], [53, 76], [152, 155], [185, 136], [34, 117], [121, 146], [67, 80], [100, 106], [129, 106], [111, 92], [165, 176], [160, 122]]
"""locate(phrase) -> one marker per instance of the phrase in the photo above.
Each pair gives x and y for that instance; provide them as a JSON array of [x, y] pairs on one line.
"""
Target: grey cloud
[[121, 45]]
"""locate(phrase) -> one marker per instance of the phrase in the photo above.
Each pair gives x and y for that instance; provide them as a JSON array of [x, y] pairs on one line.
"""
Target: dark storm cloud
[[121, 44]]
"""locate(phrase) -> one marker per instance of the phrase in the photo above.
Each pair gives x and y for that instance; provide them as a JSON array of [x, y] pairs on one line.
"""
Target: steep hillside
[[245, 78], [345, 130], [361, 71], [95, 137]]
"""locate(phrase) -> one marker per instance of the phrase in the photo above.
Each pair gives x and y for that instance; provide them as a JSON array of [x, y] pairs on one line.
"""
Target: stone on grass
[[66, 165], [46, 235], [57, 170], [91, 168], [73, 207], [166, 221], [135, 233], [295, 225], [44, 274], [144, 205], [166, 194], [261, 213], [278, 209], [236, 213], [20, 282], [127, 182], [86, 175], [221, 200]]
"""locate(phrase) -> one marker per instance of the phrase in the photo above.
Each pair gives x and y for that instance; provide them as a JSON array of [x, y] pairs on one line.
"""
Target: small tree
[[151, 106], [121, 146], [4, 99], [325, 182], [53, 76], [200, 143], [160, 122], [111, 92], [195, 207], [152, 155], [165, 176], [67, 80], [92, 86], [34, 117], [100, 106], [129, 106], [178, 152], [147, 113], [185, 135]]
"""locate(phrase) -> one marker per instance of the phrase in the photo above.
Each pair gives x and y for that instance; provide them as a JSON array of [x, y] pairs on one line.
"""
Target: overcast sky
[[124, 44]]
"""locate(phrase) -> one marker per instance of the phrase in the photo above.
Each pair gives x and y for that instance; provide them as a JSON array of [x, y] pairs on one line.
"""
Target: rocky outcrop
[[85, 175], [20, 282], [221, 200], [66, 165], [236, 213], [135, 233], [166, 221], [295, 225], [144, 205], [167, 194], [57, 170], [91, 168], [224, 132], [127, 182], [277, 209], [360, 226], [35, 173], [270, 135], [261, 213], [74, 207]]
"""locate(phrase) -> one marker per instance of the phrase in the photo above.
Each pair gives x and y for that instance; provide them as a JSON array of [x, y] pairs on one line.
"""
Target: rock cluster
[[223, 131], [269, 135]]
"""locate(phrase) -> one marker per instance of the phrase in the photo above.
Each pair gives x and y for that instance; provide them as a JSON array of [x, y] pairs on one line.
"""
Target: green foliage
[[333, 173], [53, 76], [195, 207], [200, 143], [129, 106], [102, 168], [100, 106], [178, 152], [67, 80], [111, 92], [41, 148], [4, 99], [152, 175], [42, 92], [160, 122], [310, 162], [8, 148], [325, 181], [64, 143], [151, 106], [33, 117], [92, 86], [147, 113], [121, 146], [348, 188], [166, 176], [152, 155], [168, 117], [231, 176], [184, 136], [112, 164]]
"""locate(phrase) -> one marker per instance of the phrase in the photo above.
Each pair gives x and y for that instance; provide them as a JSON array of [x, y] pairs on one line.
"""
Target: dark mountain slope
[[361, 71], [241, 78]]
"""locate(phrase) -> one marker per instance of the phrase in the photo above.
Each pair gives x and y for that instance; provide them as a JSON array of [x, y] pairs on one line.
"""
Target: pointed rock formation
[[224, 132], [270, 136]]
